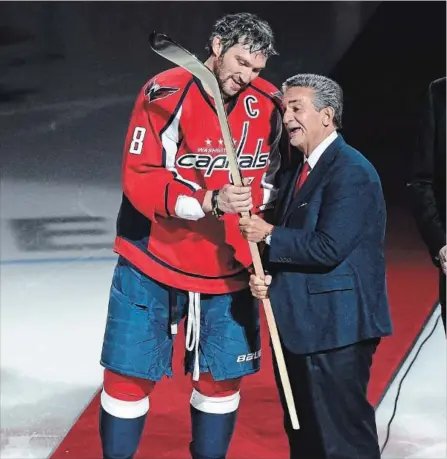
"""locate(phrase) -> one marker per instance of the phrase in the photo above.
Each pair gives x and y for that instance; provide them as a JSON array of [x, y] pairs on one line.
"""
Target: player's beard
[[218, 71]]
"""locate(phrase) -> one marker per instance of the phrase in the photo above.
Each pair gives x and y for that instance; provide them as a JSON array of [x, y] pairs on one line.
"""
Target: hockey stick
[[175, 53]]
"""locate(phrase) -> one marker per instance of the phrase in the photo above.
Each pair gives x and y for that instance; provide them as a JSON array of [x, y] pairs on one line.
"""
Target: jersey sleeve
[[149, 179], [269, 188], [264, 198]]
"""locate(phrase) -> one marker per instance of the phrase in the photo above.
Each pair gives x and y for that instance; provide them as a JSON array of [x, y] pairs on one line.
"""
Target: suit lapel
[[313, 180]]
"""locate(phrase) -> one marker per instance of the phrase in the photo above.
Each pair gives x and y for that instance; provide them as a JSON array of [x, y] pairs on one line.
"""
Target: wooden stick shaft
[[276, 343], [259, 270]]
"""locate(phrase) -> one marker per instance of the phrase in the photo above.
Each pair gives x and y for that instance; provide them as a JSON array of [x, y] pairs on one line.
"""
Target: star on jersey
[[208, 141], [155, 92]]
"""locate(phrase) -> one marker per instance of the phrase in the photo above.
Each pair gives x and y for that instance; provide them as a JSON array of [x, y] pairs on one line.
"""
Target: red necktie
[[302, 177]]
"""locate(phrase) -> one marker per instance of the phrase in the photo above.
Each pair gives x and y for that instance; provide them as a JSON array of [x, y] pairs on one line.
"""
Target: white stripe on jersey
[[169, 140]]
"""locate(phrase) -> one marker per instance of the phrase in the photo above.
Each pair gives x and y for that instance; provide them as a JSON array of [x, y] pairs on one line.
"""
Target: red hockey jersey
[[173, 153]]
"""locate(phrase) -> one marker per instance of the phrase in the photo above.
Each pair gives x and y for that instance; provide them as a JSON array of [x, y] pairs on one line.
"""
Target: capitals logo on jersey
[[208, 161], [155, 92]]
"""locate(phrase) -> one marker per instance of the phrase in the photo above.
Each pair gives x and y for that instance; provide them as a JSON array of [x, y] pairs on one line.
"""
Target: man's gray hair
[[328, 93]]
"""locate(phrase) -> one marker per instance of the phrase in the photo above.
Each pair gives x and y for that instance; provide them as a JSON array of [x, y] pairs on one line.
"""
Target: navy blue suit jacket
[[326, 254]]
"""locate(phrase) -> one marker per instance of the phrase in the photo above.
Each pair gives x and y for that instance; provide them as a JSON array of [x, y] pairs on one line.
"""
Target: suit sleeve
[[421, 185], [348, 200], [149, 179]]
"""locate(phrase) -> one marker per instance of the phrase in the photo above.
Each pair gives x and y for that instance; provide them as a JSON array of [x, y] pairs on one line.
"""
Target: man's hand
[[259, 287], [254, 229], [235, 199], [443, 258], [231, 199]]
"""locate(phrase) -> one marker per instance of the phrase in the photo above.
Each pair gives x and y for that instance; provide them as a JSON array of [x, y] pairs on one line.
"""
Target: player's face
[[236, 68], [304, 123]]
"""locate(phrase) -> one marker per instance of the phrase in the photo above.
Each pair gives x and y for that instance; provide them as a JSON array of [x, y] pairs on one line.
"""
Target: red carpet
[[412, 287]]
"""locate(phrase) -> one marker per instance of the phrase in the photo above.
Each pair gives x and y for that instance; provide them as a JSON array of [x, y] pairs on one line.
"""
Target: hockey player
[[180, 250]]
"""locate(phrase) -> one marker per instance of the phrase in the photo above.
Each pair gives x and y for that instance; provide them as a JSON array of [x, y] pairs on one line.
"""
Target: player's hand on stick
[[234, 199], [259, 286]]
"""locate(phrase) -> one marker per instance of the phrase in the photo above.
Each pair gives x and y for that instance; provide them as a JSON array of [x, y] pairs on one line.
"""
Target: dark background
[[70, 72]]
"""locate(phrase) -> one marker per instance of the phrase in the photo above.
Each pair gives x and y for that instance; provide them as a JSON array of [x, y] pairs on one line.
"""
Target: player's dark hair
[[246, 29]]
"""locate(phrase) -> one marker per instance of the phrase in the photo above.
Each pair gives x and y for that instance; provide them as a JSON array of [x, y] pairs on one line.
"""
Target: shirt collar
[[320, 149]]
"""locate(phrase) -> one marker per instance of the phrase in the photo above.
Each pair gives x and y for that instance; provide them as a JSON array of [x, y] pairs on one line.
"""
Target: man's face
[[236, 68], [306, 126]]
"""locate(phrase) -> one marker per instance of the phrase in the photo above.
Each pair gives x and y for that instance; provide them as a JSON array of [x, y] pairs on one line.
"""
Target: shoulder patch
[[155, 92]]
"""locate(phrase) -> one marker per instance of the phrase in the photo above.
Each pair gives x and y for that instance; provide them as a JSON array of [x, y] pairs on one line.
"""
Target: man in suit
[[428, 185], [326, 281]]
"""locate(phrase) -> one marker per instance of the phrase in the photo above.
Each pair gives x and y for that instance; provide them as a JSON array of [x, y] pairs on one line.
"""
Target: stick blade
[[159, 42], [175, 53]]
